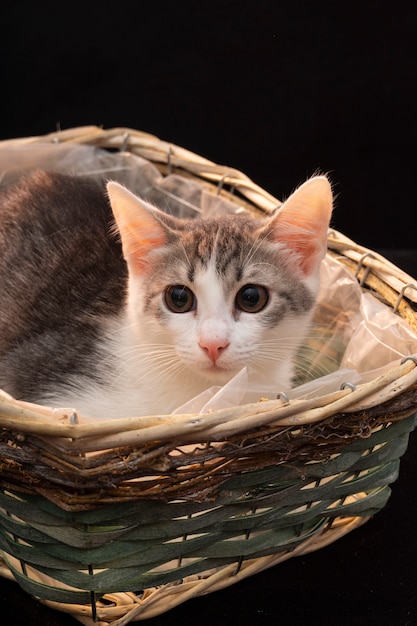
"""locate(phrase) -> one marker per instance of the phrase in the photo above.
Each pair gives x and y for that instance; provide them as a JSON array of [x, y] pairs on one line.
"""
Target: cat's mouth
[[215, 368], [218, 373]]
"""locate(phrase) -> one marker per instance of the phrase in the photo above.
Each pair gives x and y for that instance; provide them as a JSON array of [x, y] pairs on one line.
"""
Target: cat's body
[[140, 328]]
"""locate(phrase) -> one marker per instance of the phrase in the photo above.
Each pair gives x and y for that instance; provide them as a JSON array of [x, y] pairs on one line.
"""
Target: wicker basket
[[118, 521]]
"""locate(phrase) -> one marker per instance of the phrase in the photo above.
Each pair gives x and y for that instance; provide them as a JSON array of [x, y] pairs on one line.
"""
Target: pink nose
[[214, 348]]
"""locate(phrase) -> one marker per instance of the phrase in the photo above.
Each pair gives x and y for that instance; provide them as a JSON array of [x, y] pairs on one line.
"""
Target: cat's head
[[228, 291]]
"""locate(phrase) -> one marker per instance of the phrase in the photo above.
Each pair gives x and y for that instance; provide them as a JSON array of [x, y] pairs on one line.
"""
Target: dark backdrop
[[278, 90]]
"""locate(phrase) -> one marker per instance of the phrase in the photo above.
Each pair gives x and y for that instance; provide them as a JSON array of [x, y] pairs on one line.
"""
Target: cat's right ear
[[136, 221]]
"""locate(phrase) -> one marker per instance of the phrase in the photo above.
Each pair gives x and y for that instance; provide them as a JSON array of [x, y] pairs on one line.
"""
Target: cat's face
[[225, 292]]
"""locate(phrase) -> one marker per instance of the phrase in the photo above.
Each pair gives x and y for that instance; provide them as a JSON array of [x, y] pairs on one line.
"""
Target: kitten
[[119, 309]]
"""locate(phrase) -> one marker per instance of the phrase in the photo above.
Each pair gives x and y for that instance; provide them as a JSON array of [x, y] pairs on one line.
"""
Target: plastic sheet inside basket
[[116, 522]]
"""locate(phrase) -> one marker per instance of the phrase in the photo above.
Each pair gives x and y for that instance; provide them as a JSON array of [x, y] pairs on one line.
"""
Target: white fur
[[155, 369]]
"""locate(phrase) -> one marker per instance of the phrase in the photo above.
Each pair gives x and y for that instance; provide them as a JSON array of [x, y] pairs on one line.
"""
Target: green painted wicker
[[118, 521]]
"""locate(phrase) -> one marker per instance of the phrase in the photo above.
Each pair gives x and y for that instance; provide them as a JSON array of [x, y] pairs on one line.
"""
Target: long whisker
[[307, 361]]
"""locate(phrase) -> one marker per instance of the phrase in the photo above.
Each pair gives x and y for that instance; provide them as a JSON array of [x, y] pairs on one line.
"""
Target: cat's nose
[[214, 348]]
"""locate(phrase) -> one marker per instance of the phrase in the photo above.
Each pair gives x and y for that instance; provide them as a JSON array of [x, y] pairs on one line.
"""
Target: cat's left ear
[[302, 223], [137, 222]]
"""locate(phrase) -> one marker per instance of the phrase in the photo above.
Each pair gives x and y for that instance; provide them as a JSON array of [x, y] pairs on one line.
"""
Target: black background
[[279, 90]]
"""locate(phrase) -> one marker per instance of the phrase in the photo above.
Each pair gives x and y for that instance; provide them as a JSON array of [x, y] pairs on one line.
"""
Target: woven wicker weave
[[118, 521]]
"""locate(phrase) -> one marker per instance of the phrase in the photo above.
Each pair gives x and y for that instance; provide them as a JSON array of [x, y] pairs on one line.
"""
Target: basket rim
[[190, 428]]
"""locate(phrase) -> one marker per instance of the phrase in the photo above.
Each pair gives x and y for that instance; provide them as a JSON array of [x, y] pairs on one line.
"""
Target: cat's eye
[[180, 299], [252, 298]]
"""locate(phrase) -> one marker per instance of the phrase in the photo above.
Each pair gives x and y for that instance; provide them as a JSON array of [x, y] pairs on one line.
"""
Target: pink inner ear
[[309, 251], [140, 231], [138, 240], [303, 221]]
